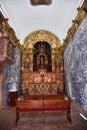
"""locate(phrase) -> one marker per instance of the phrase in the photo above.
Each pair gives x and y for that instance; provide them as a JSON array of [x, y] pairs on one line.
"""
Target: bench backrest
[[33, 97], [57, 103], [41, 97], [50, 103], [29, 104], [59, 96]]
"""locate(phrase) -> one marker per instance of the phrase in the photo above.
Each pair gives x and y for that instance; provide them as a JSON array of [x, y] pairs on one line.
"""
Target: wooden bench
[[49, 105]]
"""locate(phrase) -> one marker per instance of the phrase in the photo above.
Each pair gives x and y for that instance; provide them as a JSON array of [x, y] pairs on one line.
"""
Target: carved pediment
[[42, 35]]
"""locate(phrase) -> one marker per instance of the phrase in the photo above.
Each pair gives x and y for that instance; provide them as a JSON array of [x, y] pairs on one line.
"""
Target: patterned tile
[[75, 66], [12, 77]]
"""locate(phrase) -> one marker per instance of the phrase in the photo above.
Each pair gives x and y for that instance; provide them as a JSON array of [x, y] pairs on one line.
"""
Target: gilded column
[[31, 59], [53, 59]]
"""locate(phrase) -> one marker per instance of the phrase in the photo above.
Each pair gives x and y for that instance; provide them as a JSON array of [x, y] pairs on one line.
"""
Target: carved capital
[[8, 31], [82, 12]]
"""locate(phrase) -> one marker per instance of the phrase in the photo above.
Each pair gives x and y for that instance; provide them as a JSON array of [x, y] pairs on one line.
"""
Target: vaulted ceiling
[[25, 18]]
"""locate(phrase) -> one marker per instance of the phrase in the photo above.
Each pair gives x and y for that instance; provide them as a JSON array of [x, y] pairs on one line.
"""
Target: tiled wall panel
[[75, 66], [12, 77]]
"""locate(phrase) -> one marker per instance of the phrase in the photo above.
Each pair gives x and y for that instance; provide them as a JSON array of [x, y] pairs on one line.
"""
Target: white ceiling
[[25, 18]]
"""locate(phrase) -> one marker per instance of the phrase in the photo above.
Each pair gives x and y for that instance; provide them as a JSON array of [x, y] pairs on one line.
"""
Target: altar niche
[[42, 56], [41, 69]]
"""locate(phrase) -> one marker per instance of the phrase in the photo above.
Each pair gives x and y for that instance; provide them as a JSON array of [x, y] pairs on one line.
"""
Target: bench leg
[[17, 117], [69, 116], [43, 117]]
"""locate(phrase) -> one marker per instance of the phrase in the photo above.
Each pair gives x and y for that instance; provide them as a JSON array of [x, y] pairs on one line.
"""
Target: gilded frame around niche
[[41, 2]]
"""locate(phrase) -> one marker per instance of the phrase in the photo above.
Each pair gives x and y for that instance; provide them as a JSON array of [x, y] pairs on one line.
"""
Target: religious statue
[[42, 60]]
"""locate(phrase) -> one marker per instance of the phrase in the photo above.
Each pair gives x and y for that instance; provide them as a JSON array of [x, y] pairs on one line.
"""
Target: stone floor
[[35, 121]]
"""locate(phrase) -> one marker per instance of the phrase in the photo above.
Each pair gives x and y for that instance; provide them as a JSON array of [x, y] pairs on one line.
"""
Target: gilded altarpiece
[[42, 64]]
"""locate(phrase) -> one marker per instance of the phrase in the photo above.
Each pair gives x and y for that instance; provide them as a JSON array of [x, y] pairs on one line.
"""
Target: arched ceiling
[[25, 18]]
